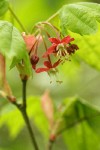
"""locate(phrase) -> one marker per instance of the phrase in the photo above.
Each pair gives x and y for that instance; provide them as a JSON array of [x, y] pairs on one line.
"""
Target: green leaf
[[94, 8], [12, 46], [79, 122], [89, 49], [80, 18], [11, 117], [3, 6], [81, 137], [37, 114]]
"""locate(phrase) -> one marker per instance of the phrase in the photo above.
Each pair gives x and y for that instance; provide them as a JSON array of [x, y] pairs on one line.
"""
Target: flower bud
[[34, 60]]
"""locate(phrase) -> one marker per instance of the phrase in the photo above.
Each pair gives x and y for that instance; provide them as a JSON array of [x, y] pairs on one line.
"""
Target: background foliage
[[78, 79]]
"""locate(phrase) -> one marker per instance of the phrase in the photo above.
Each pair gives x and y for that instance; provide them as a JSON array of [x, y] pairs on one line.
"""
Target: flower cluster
[[56, 54]]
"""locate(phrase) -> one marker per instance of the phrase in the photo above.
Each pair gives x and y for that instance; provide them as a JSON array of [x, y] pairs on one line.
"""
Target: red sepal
[[54, 40], [50, 50], [48, 64], [41, 70], [67, 39]]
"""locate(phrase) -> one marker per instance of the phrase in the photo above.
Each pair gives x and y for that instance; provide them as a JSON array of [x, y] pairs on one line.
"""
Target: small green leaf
[[79, 122], [3, 6], [12, 46], [81, 137], [37, 114], [80, 18], [11, 117]]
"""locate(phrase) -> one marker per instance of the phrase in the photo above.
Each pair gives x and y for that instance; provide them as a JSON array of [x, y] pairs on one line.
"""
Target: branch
[[22, 108], [26, 119], [25, 116], [24, 81]]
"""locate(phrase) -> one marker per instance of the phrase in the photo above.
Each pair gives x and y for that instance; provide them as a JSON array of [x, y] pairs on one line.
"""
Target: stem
[[52, 17], [26, 119], [25, 116], [17, 19], [50, 145], [22, 109], [48, 20], [46, 49], [53, 27], [24, 92]]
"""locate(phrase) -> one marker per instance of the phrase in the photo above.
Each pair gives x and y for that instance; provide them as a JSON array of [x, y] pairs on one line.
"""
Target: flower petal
[[39, 70], [56, 63], [54, 40], [48, 64], [50, 50], [29, 41], [67, 39], [34, 67]]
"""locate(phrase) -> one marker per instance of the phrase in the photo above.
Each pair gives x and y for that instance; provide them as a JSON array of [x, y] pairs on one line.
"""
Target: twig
[[17, 19], [24, 81], [50, 145], [25, 116], [26, 119]]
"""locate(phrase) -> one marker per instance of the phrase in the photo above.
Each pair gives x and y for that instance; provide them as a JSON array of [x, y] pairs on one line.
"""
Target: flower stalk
[[53, 16], [50, 145]]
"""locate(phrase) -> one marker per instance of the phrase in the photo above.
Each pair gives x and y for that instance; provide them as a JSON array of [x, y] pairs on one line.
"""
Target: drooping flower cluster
[[59, 51], [59, 47]]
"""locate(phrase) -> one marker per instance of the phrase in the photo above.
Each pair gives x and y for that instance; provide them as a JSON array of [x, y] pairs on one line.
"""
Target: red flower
[[48, 66], [57, 42]]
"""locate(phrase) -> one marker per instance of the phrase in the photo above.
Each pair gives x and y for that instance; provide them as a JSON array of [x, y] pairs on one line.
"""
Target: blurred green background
[[78, 78]]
